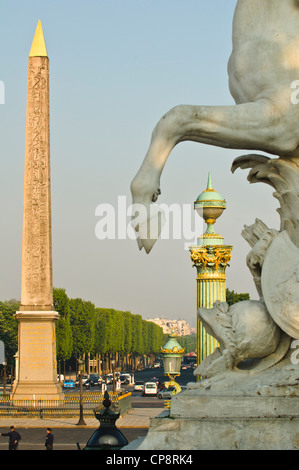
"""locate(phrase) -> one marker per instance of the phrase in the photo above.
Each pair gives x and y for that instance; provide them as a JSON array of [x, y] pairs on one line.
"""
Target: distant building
[[180, 327]]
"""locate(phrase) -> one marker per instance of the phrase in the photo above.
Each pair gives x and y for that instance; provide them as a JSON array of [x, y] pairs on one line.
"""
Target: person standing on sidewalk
[[49, 439], [14, 438]]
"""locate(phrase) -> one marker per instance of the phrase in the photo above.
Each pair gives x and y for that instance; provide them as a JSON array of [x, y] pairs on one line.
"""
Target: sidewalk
[[136, 418]]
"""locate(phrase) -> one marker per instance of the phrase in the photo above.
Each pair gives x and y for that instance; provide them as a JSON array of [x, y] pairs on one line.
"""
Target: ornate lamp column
[[210, 257]]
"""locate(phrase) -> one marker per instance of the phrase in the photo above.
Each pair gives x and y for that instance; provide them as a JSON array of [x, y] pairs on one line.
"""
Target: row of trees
[[84, 330]]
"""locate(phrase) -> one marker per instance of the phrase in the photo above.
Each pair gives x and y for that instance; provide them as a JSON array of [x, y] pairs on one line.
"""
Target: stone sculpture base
[[36, 377], [208, 431], [238, 410]]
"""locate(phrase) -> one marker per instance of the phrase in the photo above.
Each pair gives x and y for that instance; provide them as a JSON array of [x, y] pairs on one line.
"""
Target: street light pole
[[81, 421], [4, 378], [113, 372]]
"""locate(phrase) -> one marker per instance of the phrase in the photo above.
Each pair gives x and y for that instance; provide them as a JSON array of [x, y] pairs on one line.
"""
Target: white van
[[150, 388]]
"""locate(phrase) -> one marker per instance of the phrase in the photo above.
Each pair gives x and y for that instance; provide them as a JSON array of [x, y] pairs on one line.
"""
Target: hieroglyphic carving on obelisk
[[36, 366]]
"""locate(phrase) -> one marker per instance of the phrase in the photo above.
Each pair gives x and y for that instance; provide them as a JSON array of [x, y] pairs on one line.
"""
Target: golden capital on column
[[211, 256]]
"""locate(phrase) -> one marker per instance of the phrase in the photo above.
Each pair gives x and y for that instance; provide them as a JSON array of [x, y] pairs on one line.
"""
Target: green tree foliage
[[64, 337], [155, 338], [83, 326], [119, 332], [9, 328], [137, 340], [128, 328], [232, 297], [125, 333], [103, 330], [188, 342]]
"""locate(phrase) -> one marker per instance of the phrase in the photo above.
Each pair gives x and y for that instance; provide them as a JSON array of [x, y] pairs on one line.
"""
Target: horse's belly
[[251, 69]]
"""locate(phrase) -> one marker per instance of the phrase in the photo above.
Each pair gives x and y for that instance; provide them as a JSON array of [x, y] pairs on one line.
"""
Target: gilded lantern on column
[[210, 257]]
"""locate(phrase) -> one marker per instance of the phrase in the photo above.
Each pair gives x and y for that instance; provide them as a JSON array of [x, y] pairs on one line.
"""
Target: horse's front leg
[[256, 126]]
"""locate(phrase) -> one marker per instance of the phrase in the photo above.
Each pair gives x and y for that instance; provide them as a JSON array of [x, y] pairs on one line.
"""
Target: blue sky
[[115, 68]]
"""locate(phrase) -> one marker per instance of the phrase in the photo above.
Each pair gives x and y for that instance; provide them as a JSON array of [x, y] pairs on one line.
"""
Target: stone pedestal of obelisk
[[37, 371]]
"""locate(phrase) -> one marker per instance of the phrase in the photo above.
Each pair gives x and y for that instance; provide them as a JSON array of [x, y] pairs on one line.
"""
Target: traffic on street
[[134, 383], [68, 437]]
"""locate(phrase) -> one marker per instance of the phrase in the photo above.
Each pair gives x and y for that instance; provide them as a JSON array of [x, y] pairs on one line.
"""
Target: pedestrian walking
[[49, 439], [14, 438]]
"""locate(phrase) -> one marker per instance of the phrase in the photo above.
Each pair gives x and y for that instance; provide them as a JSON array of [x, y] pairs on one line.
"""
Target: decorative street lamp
[[172, 353], [107, 436], [81, 421]]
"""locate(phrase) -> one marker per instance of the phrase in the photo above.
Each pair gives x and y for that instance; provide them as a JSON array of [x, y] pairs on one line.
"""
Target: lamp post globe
[[172, 353]]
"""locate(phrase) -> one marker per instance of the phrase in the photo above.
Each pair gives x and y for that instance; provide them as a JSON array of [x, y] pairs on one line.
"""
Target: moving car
[[150, 388], [84, 380], [109, 378], [129, 377], [158, 382], [138, 387], [68, 383], [124, 379], [94, 379], [166, 392]]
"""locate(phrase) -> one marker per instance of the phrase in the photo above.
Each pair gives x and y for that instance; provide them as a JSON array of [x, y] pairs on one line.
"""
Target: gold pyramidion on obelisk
[[38, 47], [36, 363]]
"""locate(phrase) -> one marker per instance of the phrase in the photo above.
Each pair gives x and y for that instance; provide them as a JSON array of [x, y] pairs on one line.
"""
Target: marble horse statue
[[263, 74]]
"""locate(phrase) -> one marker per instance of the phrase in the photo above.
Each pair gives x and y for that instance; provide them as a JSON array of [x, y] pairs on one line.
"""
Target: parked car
[[166, 392], [150, 388], [138, 387], [68, 383]]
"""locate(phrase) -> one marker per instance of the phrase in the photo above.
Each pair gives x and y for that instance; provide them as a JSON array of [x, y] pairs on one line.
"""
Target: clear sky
[[116, 66]]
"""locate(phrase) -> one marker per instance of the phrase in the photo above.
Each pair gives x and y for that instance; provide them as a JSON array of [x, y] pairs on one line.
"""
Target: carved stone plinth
[[245, 432], [37, 371]]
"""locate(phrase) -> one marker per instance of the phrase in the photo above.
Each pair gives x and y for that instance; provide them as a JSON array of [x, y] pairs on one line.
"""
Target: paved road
[[64, 439], [139, 401], [147, 374], [67, 438]]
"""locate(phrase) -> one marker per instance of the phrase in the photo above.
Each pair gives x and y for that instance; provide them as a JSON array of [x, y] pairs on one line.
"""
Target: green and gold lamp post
[[172, 353], [210, 257]]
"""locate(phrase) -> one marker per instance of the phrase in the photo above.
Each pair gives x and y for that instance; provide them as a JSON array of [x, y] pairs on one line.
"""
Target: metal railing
[[69, 406]]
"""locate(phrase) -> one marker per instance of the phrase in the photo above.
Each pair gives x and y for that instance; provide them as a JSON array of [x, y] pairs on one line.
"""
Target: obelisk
[[36, 367]]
